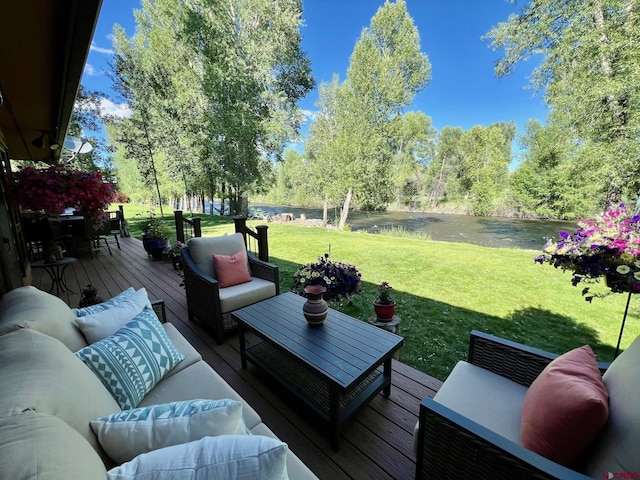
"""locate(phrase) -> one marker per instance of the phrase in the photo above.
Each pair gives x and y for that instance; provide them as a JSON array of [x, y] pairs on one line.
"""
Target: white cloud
[[90, 69], [109, 108], [98, 49]]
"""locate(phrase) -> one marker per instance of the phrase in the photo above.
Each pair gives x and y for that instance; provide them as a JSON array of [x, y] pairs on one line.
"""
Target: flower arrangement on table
[[608, 246], [341, 280], [58, 187]]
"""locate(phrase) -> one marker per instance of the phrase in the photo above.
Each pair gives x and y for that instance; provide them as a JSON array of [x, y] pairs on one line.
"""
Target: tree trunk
[[325, 211], [345, 211]]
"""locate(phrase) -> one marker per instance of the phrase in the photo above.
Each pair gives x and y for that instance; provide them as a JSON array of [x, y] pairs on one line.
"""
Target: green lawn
[[445, 290]]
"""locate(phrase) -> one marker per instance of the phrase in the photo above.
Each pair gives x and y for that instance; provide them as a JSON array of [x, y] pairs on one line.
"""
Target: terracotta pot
[[315, 309], [384, 313]]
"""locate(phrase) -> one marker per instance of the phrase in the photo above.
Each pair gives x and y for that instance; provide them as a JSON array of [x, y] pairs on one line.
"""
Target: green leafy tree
[[351, 143], [213, 86], [589, 70]]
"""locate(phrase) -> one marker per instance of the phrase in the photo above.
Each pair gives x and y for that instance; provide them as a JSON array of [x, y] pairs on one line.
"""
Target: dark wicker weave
[[203, 293], [452, 446], [158, 308]]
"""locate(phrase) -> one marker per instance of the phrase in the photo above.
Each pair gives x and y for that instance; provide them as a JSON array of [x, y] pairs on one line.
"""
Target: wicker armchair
[[450, 445], [209, 303]]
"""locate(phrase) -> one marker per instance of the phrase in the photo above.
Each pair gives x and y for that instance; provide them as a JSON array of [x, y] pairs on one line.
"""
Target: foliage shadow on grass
[[437, 334]]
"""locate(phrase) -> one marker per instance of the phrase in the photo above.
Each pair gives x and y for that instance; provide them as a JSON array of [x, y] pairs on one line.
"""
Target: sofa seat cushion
[[28, 307], [484, 397], [227, 456], [133, 360], [191, 355], [37, 446], [616, 448], [238, 296], [198, 381], [127, 434], [565, 407], [39, 373], [201, 249]]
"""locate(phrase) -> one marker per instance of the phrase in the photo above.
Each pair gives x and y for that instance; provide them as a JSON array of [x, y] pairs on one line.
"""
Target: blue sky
[[463, 90]]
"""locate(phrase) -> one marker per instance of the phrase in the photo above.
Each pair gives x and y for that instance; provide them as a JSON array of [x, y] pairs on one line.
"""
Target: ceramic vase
[[315, 309]]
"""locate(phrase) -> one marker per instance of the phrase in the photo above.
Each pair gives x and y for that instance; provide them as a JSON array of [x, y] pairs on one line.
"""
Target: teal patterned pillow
[[127, 434], [133, 360], [100, 307]]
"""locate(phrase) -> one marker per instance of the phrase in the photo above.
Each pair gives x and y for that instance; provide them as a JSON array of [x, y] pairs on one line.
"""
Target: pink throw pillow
[[565, 407], [231, 269]]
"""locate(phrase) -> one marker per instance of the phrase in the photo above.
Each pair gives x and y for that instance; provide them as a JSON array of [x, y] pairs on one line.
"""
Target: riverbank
[[497, 232]]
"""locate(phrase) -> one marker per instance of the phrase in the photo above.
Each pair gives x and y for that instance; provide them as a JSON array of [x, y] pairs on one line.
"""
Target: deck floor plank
[[377, 443]]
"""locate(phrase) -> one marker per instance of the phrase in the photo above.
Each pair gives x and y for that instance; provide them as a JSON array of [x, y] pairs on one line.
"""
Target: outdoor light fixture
[[43, 140]]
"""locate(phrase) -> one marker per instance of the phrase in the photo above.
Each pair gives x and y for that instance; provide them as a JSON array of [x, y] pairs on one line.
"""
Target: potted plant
[[384, 305], [173, 251], [341, 280], [155, 236]]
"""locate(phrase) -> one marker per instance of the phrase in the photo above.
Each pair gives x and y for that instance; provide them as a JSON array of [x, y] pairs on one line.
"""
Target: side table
[[392, 326], [56, 272]]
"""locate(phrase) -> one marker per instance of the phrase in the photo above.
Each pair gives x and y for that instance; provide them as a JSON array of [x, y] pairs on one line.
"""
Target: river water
[[486, 231]]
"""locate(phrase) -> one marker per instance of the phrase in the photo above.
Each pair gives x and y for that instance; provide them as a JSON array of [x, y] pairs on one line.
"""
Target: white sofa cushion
[[43, 447], [133, 360], [198, 381], [125, 435], [38, 372], [99, 325], [484, 397], [237, 296], [191, 355], [28, 307], [201, 249], [227, 456], [616, 448]]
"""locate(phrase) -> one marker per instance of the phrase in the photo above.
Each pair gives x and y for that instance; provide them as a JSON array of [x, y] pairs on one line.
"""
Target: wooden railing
[[187, 228], [255, 240]]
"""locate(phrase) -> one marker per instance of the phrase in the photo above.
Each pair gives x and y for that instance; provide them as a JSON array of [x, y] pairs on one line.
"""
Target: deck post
[[197, 226], [263, 243], [241, 227], [177, 215]]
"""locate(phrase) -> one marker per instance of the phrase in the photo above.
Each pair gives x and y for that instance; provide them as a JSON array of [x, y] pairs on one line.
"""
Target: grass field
[[445, 290]]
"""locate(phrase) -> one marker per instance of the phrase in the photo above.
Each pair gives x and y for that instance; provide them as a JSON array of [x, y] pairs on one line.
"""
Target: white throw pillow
[[225, 457], [107, 304], [99, 325], [127, 434]]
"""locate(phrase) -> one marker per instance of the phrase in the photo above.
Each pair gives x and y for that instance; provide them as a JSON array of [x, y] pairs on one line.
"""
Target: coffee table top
[[343, 349]]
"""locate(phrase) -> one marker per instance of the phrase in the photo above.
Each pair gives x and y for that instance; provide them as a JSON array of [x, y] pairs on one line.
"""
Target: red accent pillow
[[565, 407], [231, 269]]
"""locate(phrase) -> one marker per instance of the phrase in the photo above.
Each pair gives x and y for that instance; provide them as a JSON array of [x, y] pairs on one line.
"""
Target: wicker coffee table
[[334, 368]]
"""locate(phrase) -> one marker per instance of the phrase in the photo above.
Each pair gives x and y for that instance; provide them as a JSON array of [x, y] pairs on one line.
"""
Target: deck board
[[376, 444]]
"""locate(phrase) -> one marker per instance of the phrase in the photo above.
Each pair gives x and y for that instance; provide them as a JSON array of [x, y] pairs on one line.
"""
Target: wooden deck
[[376, 444]]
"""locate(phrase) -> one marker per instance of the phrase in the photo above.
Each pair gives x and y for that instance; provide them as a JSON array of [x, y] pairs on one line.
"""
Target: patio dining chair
[[220, 276]]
